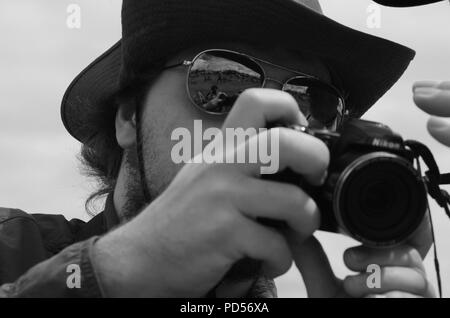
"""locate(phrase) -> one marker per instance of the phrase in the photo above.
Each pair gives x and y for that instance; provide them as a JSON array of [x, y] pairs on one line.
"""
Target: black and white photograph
[[240, 150]]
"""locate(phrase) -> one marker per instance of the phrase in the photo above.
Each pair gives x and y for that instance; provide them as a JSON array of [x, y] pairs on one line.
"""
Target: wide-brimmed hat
[[153, 30]]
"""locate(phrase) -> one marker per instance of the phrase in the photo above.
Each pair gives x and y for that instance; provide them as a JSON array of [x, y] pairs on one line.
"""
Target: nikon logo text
[[385, 144]]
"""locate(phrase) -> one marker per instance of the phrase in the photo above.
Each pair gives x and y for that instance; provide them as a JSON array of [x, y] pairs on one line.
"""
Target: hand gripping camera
[[374, 191]]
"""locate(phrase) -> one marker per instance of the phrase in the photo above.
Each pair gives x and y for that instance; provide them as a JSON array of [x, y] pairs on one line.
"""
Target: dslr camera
[[373, 191]]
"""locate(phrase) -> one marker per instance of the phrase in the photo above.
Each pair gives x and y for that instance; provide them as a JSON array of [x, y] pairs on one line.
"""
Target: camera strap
[[433, 238], [433, 178]]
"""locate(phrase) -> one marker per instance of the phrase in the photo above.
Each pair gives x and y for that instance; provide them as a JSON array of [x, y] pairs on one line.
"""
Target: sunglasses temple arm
[[184, 63]]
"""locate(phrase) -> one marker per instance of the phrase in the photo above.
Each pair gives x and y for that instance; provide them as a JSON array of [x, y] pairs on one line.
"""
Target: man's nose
[[273, 83]]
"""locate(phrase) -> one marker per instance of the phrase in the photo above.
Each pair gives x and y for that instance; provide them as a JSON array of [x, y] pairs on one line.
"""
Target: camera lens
[[380, 199]]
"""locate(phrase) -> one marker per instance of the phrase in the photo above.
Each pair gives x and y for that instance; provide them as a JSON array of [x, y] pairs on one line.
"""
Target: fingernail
[[422, 84], [426, 92], [358, 255]]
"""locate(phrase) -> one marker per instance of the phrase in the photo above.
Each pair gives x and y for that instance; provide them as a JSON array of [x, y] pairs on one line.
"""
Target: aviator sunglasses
[[217, 77]]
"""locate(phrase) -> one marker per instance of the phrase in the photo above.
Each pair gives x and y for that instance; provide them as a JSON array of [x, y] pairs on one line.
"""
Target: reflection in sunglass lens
[[216, 78], [318, 102]]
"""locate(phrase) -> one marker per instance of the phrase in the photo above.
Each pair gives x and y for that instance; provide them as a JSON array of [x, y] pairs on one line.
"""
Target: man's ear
[[126, 127]]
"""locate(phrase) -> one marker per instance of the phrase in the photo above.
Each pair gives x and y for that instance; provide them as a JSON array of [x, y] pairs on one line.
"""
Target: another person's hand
[[184, 243], [402, 273], [434, 98]]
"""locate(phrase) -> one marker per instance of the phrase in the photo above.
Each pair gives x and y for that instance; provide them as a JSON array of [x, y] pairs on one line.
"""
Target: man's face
[[167, 105]]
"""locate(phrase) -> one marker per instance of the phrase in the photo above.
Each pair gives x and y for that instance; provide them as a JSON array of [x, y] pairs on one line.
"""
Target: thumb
[[315, 268]]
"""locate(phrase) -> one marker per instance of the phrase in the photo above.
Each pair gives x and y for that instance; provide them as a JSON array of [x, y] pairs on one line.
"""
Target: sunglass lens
[[317, 101], [216, 78]]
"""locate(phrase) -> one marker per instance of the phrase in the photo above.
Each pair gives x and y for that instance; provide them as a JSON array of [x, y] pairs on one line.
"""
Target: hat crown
[[152, 30]]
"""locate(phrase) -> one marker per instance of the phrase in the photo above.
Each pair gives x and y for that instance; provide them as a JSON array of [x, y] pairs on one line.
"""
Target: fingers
[[421, 84], [315, 268], [359, 258], [422, 239], [439, 128], [392, 279], [261, 243], [433, 97], [401, 273], [256, 108], [302, 153], [394, 294], [259, 107], [278, 201]]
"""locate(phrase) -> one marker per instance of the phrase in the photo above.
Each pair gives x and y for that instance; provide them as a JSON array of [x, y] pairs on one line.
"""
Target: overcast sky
[[40, 56]]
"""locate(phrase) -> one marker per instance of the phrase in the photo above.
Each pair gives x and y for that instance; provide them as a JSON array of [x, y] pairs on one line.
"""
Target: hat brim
[[368, 66], [405, 3]]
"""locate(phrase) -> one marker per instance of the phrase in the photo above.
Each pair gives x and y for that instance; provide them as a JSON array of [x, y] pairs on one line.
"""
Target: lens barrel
[[379, 199]]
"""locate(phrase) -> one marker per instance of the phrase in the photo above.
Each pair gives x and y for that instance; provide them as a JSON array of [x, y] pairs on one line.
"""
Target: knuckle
[[257, 97], [287, 99], [226, 223], [415, 256], [214, 179], [412, 258], [218, 184], [250, 97]]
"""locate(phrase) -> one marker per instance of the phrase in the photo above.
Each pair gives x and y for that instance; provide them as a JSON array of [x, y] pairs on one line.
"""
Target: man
[[192, 231]]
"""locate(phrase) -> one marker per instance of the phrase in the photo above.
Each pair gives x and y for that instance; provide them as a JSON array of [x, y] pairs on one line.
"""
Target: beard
[[158, 176], [134, 196]]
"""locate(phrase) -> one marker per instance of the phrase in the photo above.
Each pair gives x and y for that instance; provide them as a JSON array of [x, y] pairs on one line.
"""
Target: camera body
[[373, 192]]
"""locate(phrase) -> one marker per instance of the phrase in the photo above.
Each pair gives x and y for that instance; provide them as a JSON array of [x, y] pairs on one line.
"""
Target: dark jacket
[[38, 252]]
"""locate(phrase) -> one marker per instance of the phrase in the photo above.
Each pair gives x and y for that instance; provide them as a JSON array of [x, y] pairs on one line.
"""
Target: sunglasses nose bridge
[[270, 82]]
